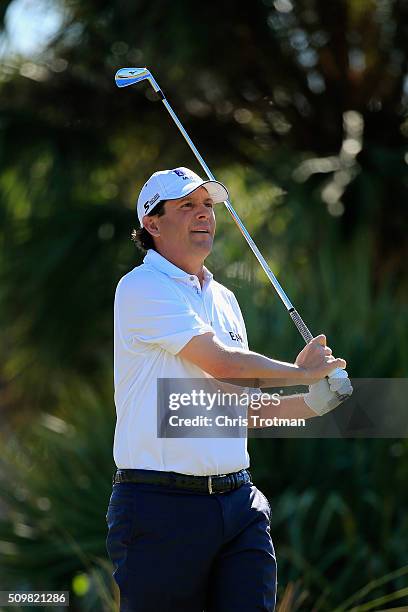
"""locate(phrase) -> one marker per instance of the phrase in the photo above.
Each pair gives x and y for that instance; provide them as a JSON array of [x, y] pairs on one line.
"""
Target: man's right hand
[[316, 360]]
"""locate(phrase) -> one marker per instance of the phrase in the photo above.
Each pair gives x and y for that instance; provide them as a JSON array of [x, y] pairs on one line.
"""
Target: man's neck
[[190, 265]]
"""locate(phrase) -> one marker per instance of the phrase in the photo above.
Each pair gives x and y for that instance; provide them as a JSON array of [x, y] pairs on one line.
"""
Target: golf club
[[129, 76]]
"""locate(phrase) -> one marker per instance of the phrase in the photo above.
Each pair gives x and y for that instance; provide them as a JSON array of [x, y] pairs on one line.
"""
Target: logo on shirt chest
[[236, 337]]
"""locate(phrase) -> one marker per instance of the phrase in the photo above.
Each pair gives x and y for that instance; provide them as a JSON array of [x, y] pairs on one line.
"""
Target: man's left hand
[[328, 393]]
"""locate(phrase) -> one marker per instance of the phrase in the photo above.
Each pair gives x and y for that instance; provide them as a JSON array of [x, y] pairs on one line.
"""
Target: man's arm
[[313, 363]]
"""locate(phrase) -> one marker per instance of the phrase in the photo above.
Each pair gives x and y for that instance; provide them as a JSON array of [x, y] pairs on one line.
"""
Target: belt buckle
[[210, 489]]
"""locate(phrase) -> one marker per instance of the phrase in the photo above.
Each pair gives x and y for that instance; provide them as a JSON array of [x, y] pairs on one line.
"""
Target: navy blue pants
[[176, 551]]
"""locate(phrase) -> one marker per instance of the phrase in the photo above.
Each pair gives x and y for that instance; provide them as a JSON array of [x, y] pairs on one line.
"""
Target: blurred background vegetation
[[301, 109]]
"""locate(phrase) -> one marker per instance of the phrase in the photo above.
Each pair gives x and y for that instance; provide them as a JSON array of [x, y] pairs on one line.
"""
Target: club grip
[[301, 325]]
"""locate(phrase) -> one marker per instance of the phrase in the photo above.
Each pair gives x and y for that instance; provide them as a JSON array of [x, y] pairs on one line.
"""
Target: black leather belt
[[201, 484]]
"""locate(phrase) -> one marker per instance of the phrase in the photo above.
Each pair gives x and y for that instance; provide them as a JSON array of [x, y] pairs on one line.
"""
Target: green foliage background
[[300, 108]]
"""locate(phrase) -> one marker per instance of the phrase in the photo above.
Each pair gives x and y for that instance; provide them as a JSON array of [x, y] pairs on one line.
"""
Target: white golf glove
[[328, 393]]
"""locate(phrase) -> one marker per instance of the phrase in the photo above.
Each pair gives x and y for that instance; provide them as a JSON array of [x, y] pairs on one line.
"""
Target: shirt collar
[[154, 259]]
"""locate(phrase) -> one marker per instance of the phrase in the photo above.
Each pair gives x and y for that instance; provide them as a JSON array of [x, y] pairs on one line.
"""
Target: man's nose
[[203, 212]]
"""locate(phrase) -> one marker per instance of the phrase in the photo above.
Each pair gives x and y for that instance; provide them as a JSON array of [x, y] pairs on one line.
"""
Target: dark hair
[[143, 239]]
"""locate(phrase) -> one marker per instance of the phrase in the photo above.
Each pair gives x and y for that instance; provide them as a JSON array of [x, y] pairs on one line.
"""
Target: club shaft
[[233, 213], [302, 327]]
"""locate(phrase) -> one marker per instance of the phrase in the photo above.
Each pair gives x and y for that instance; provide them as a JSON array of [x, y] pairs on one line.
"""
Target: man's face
[[188, 225]]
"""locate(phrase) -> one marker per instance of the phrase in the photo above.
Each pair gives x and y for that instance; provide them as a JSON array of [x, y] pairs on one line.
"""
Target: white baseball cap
[[174, 184]]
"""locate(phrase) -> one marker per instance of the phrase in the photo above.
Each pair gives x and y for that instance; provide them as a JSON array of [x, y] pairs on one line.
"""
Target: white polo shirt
[[158, 309]]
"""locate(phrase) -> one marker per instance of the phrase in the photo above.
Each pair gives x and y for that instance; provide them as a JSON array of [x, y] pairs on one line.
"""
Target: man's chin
[[202, 242]]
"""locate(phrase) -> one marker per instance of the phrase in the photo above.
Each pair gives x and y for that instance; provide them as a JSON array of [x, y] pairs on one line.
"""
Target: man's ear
[[150, 224]]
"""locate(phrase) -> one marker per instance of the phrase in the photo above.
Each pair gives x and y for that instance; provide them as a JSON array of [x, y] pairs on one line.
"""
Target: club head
[[130, 76]]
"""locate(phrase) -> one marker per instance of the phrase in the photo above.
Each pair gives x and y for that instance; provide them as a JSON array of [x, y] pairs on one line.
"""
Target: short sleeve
[[150, 312]]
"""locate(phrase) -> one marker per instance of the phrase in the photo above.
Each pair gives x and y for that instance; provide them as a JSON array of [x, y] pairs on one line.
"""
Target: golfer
[[188, 530]]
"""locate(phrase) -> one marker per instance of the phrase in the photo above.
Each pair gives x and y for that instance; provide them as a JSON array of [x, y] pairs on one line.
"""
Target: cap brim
[[217, 191]]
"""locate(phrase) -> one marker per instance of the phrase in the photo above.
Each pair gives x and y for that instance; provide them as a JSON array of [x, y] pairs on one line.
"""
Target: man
[[188, 530]]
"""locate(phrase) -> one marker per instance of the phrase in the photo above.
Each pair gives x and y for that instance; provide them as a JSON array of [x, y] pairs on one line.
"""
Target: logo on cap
[[182, 174], [150, 203]]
